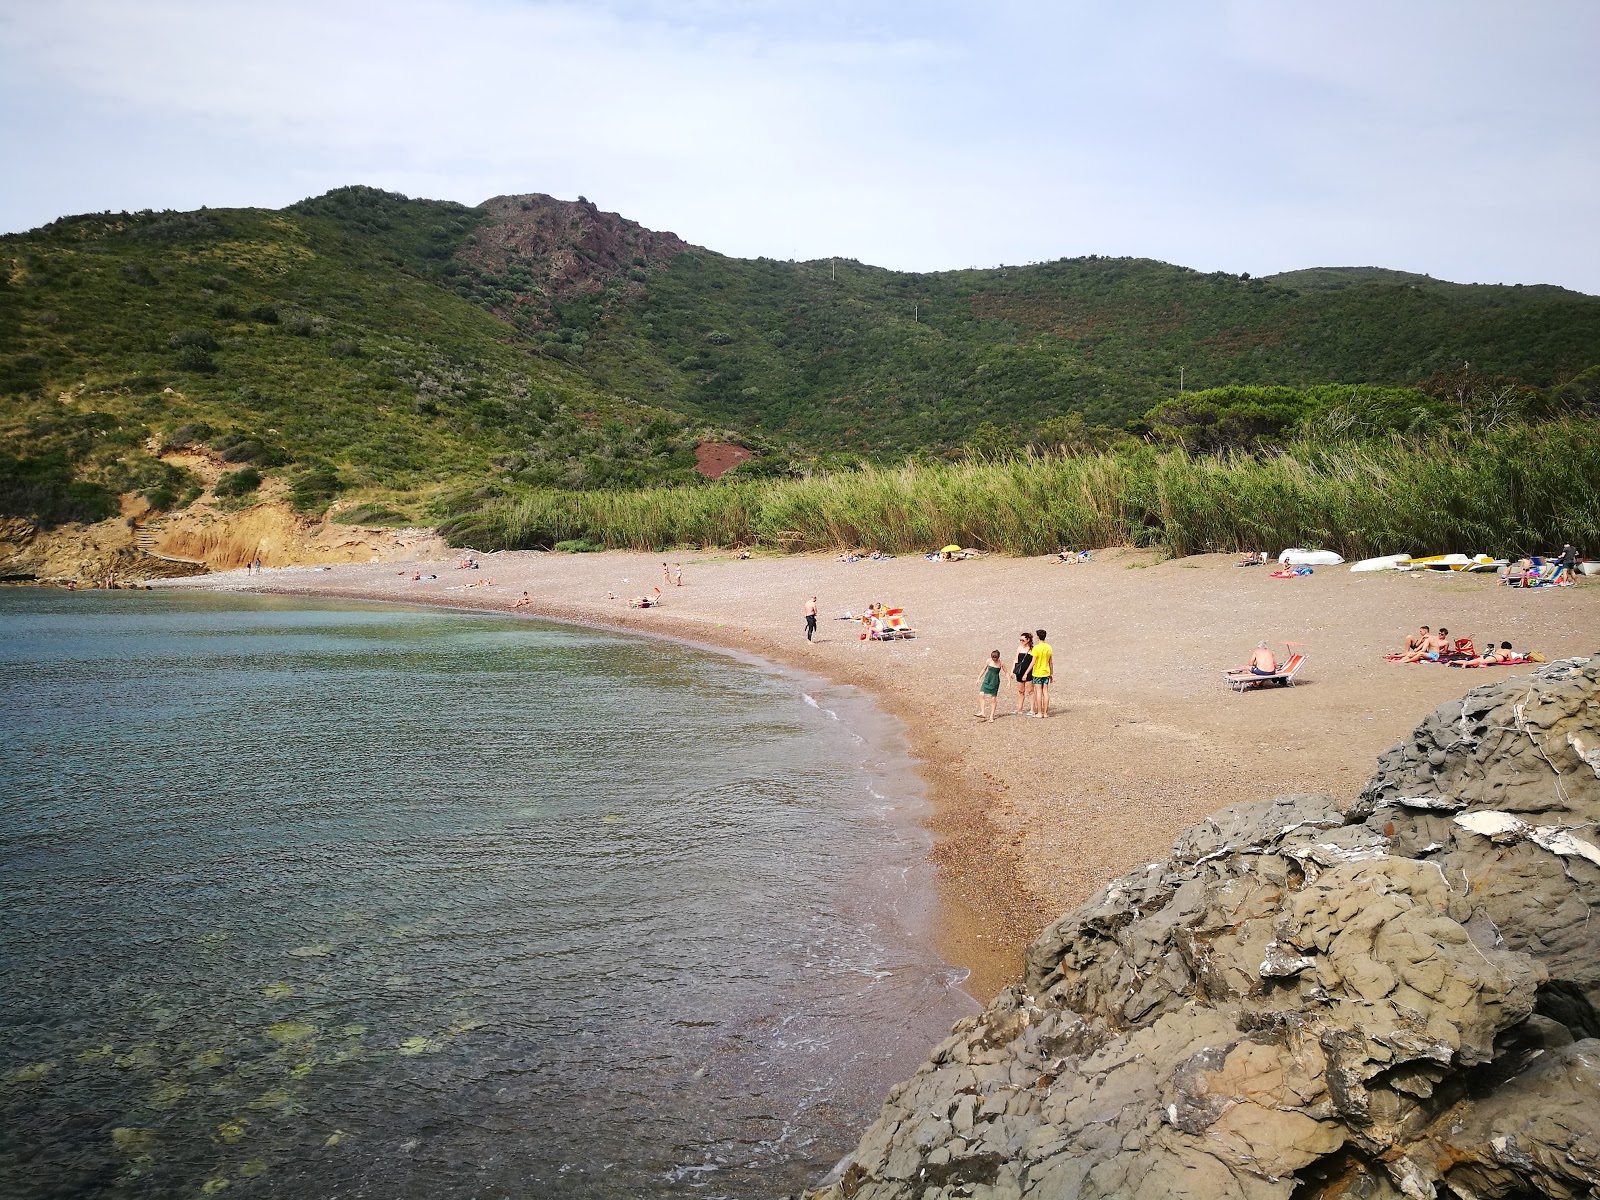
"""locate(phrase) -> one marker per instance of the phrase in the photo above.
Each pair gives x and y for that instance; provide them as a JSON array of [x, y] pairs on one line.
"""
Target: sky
[[1460, 138]]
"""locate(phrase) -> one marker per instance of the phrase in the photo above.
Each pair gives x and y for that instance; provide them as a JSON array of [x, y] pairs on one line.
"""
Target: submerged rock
[[1395, 997]]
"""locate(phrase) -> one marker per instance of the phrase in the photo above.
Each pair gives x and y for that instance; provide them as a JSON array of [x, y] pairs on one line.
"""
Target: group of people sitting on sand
[[1252, 558], [883, 623], [1072, 556], [1427, 646]]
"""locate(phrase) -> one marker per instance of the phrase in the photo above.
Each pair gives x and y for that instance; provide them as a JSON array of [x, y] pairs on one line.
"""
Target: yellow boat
[[1451, 562]]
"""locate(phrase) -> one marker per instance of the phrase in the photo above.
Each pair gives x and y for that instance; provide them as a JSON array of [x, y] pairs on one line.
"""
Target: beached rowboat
[[1452, 562], [1388, 562], [1310, 558]]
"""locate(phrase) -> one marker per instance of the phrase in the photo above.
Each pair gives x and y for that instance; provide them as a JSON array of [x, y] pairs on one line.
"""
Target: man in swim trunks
[[1414, 641], [1431, 648], [811, 618], [1262, 661], [1042, 654]]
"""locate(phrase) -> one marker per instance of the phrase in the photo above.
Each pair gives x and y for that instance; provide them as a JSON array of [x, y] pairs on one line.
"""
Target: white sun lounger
[[1283, 676]]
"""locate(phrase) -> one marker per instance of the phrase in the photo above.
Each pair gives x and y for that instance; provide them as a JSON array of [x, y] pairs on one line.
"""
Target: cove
[[309, 899]]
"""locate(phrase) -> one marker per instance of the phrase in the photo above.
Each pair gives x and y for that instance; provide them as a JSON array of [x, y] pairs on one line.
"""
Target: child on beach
[[989, 686]]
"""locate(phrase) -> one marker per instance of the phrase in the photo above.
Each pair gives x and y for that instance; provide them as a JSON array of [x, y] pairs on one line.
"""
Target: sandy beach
[[1032, 817]]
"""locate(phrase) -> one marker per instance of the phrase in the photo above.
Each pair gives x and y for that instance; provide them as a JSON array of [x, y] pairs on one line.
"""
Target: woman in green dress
[[989, 686]]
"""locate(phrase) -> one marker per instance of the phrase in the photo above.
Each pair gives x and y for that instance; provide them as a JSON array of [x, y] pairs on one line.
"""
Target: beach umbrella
[[952, 549]]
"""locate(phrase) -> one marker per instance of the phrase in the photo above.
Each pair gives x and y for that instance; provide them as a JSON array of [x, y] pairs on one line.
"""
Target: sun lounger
[[1241, 681]]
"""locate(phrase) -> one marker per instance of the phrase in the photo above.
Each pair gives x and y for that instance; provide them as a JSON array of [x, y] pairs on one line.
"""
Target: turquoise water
[[307, 901]]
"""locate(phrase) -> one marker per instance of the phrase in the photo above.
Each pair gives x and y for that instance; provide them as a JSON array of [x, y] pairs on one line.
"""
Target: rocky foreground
[[1395, 997]]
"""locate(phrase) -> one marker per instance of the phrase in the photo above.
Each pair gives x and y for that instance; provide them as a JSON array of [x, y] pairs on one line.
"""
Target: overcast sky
[[1459, 137]]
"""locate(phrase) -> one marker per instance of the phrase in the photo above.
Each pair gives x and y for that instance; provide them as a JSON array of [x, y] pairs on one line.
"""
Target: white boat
[[1388, 562], [1310, 558], [1453, 562]]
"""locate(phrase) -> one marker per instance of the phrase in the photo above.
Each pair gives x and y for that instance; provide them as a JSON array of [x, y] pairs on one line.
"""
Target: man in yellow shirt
[[1042, 654]]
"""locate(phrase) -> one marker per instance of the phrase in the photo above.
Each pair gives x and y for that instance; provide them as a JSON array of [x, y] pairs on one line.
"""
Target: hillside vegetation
[[438, 359], [1522, 489], [289, 341]]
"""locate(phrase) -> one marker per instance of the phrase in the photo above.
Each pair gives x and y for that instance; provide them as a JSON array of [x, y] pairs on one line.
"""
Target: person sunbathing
[[1415, 640], [1431, 650], [1262, 662], [524, 602]]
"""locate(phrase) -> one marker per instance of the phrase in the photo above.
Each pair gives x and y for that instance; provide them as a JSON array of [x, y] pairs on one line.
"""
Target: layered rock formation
[[1395, 997]]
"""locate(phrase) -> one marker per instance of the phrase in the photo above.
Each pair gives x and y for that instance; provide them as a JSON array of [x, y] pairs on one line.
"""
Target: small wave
[[827, 712]]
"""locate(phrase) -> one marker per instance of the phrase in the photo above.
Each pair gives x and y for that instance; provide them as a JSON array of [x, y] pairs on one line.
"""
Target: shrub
[[238, 447], [198, 338], [159, 498], [238, 483], [315, 487], [196, 360], [301, 325], [191, 433], [578, 546], [371, 514], [263, 314]]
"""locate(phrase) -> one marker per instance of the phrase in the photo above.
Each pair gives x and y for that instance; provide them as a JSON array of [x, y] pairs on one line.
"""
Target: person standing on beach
[[1022, 670], [666, 574], [989, 686], [811, 619], [677, 570], [1042, 654]]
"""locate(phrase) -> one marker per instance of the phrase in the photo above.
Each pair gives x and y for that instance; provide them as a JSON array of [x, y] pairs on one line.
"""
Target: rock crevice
[[1390, 997]]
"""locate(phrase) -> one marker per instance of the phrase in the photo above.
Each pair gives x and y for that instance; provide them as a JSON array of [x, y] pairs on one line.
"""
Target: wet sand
[[1032, 817]]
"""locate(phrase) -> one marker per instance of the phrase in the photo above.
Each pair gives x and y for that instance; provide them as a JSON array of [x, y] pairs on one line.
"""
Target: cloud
[[1242, 135]]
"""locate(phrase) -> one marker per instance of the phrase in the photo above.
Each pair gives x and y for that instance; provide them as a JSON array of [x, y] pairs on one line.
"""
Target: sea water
[[312, 900]]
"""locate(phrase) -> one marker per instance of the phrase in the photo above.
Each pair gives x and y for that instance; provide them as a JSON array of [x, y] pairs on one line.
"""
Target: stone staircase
[[147, 536]]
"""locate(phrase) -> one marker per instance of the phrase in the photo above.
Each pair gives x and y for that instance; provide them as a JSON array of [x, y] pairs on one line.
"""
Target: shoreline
[[1030, 819]]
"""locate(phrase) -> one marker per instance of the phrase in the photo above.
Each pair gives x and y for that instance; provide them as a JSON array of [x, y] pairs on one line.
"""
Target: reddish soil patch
[[716, 459]]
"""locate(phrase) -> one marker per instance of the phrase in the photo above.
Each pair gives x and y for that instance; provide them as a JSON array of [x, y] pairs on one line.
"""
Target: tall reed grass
[[1517, 490]]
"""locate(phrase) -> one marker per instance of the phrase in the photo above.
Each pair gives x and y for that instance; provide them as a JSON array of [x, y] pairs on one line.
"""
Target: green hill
[[860, 356], [292, 341], [441, 354]]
